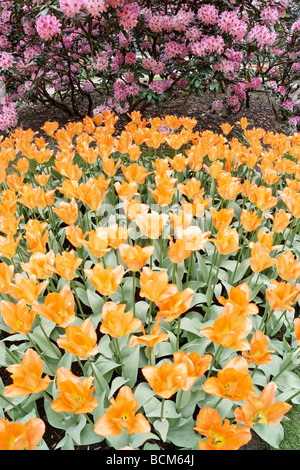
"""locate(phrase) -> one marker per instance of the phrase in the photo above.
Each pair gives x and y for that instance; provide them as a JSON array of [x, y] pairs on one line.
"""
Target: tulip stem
[[11, 404], [189, 268], [162, 409], [214, 360], [174, 273], [47, 337], [150, 316], [178, 334], [239, 257], [89, 419], [254, 370], [96, 377], [133, 293], [218, 402], [78, 301], [120, 357], [215, 281]]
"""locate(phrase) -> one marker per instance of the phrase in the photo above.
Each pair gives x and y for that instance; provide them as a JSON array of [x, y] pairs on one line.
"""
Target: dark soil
[[260, 114]]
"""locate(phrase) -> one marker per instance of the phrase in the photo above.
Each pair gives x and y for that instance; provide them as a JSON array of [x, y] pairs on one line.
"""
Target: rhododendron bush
[[129, 54], [149, 285]]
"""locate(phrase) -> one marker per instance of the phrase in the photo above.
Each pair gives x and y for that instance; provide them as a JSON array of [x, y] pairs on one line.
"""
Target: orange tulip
[[151, 224], [226, 128], [196, 366], [194, 237], [230, 329], [91, 194], [250, 220], [282, 295], [106, 281], [109, 166], [163, 194], [126, 191], [133, 208], [42, 179], [17, 316], [297, 329], [67, 212], [239, 296], [80, 340], [26, 289], [97, 243], [191, 189], [220, 436], [117, 235], [281, 221], [222, 218], [166, 379], [59, 307], [232, 382], [178, 251], [117, 322], [228, 186], [19, 436], [227, 241], [288, 266], [180, 221], [6, 274], [40, 265], [154, 285], [260, 258], [75, 394], [35, 237], [149, 340], [174, 305], [122, 414], [50, 128], [259, 352], [262, 409], [135, 257], [8, 245], [262, 198], [75, 236], [66, 264], [27, 376], [135, 173]]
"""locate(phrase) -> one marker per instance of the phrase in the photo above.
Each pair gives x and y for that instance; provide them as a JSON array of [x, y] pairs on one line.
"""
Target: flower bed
[[148, 284]]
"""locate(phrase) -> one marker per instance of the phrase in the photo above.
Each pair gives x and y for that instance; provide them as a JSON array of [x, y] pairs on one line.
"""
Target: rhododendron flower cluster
[[161, 49]]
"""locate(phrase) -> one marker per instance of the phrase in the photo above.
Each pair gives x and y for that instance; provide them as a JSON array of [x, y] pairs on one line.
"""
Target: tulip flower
[[151, 224], [26, 288], [220, 436], [20, 436], [80, 340], [282, 295], [178, 251], [262, 198], [75, 393], [106, 281], [174, 305], [260, 258], [58, 307], [35, 237], [239, 296], [135, 257], [232, 382], [297, 329], [122, 414], [259, 353], [227, 241], [288, 266], [117, 235], [66, 264], [149, 340], [117, 322], [98, 242], [8, 245], [154, 285], [67, 212], [262, 408], [6, 274], [41, 265], [27, 376], [17, 316], [166, 379], [230, 329], [250, 220], [222, 218], [281, 221], [196, 366], [75, 235]]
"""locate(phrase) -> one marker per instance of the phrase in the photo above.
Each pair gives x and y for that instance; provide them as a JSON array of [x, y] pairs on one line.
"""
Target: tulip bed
[[148, 281]]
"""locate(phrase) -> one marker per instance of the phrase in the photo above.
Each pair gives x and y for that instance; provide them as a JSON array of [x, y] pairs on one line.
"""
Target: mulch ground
[[260, 114]]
